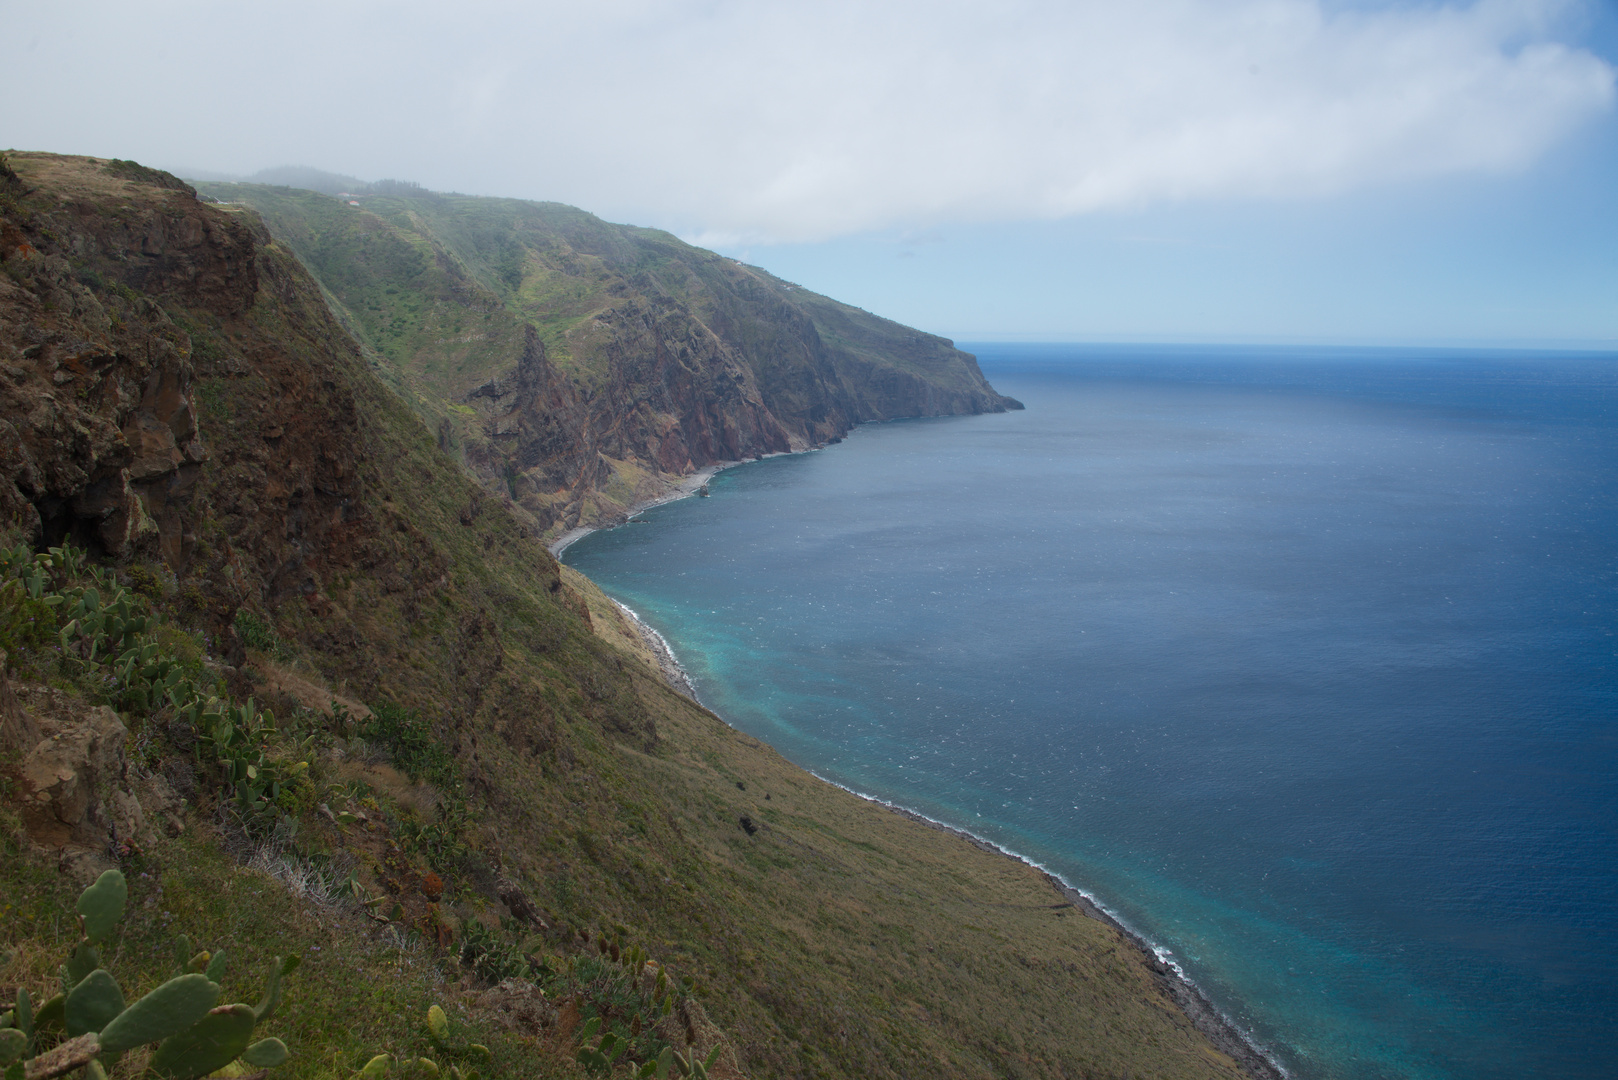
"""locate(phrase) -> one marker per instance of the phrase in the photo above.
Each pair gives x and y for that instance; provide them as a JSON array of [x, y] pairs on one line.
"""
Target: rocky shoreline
[[667, 665], [687, 487]]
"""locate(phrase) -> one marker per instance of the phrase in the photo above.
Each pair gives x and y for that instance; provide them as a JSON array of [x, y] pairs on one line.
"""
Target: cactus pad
[[279, 969], [437, 1024], [166, 1011], [84, 960], [49, 1017], [94, 1003], [212, 1043], [266, 1053], [102, 905], [22, 1017]]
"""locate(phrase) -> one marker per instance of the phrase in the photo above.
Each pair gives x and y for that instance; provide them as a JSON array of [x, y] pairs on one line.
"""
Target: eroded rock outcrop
[[79, 797], [99, 441], [72, 778], [174, 388]]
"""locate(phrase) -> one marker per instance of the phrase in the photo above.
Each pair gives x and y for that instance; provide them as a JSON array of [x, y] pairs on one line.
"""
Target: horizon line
[[1565, 345]]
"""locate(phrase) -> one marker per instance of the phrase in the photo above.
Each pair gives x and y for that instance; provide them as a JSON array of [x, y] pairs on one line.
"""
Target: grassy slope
[[839, 940], [440, 285], [359, 992]]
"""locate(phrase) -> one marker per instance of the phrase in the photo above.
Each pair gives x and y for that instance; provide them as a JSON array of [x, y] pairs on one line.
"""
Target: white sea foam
[[666, 655]]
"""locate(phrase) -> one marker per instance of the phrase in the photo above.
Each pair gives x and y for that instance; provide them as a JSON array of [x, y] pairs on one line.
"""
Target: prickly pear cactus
[[438, 1030], [90, 1025]]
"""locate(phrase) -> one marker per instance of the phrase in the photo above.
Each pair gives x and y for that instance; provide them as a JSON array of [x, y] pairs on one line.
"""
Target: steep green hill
[[579, 366], [524, 814]]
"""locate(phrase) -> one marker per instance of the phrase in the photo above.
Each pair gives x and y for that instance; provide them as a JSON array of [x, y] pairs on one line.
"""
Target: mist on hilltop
[[310, 179]]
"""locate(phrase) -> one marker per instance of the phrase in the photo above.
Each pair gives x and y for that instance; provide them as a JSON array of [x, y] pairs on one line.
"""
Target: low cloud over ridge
[[753, 120]]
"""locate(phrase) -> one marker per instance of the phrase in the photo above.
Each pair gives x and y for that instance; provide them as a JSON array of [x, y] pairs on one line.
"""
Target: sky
[[1158, 170]]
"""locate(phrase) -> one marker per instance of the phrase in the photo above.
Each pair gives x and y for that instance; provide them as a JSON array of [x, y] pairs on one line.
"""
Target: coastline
[[687, 487], [667, 665], [1203, 1015], [1214, 1025]]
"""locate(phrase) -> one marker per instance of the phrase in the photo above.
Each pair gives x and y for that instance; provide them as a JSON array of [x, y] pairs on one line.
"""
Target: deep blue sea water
[[1302, 662]]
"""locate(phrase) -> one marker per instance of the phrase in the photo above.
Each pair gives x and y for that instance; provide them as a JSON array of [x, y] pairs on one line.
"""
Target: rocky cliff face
[[130, 312], [673, 402], [102, 381], [579, 366], [98, 429]]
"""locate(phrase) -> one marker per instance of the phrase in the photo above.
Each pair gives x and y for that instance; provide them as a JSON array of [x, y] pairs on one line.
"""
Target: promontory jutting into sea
[[1300, 662]]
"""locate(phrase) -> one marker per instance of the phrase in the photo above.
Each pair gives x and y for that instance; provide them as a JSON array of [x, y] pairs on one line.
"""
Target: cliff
[[579, 366], [525, 812]]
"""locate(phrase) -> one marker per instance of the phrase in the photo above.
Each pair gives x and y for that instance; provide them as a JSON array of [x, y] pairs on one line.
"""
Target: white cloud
[[771, 120]]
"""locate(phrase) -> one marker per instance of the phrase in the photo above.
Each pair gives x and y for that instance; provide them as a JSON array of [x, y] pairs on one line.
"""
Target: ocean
[[1301, 662]]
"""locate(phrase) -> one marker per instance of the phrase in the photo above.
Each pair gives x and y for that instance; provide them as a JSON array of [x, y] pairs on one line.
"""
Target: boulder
[[69, 780], [518, 1006], [79, 797]]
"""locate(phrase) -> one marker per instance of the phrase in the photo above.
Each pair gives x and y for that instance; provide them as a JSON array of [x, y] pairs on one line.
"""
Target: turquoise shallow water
[[1301, 662]]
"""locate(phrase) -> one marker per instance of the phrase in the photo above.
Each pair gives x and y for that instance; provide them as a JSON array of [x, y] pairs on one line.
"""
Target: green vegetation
[[409, 741], [439, 1031], [142, 174], [419, 763], [255, 633], [440, 284], [353, 993], [111, 651], [259, 778]]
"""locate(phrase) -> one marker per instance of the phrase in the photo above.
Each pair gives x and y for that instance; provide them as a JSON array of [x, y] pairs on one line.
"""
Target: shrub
[[26, 623], [255, 633], [409, 741]]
